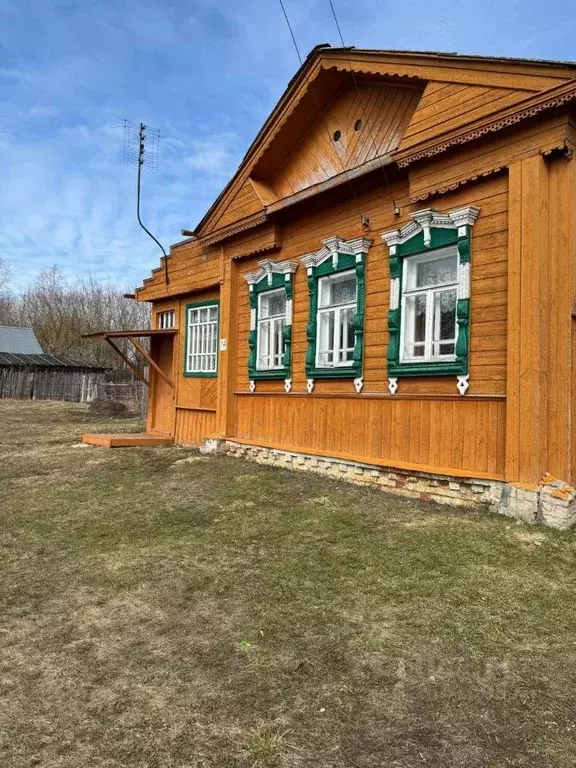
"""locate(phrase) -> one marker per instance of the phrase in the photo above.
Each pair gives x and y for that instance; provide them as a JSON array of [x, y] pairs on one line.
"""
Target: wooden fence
[[74, 385]]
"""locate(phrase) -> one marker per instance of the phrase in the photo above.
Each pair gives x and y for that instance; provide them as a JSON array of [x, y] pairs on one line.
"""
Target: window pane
[[436, 271], [415, 332], [343, 290], [326, 338], [270, 343], [346, 336], [264, 344], [273, 304], [339, 289], [444, 322]]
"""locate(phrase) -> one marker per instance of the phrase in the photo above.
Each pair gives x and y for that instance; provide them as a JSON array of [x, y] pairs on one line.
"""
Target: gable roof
[[526, 75], [456, 99], [19, 341]]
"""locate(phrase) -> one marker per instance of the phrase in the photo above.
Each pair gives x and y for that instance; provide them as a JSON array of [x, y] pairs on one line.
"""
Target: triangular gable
[[364, 121], [455, 88]]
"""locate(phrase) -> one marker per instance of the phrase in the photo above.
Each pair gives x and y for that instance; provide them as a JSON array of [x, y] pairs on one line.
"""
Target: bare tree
[[60, 312], [8, 303]]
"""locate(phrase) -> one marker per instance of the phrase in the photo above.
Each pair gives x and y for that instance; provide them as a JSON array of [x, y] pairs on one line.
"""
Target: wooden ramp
[[119, 440]]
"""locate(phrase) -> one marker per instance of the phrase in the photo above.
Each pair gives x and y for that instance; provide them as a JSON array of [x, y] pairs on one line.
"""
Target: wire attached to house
[[363, 219], [291, 31], [355, 81]]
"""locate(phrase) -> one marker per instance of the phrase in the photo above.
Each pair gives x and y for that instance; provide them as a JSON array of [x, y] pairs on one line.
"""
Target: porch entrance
[[160, 381], [161, 399]]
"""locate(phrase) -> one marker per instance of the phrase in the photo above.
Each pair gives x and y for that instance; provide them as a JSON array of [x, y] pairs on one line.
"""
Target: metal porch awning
[[133, 337]]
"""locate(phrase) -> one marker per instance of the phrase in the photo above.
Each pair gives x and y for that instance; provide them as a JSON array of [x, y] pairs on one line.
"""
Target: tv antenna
[[141, 145]]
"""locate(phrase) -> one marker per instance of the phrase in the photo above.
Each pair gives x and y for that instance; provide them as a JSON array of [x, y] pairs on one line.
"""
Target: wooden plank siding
[[244, 203], [488, 290], [384, 111], [459, 104], [193, 425], [190, 267], [436, 432], [516, 421], [434, 435]]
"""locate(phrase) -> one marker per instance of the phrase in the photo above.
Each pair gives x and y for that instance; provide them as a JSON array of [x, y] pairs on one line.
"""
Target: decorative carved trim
[[491, 124], [462, 383], [430, 229], [226, 233], [426, 220], [252, 386], [333, 247], [358, 384], [287, 385], [309, 386], [393, 385], [394, 292], [454, 185], [271, 275], [372, 71], [269, 268]]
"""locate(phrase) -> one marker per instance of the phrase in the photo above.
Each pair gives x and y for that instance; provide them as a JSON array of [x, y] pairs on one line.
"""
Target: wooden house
[[384, 290]]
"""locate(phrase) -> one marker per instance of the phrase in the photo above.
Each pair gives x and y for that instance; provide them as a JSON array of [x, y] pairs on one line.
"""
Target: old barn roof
[[19, 341], [43, 360], [20, 348]]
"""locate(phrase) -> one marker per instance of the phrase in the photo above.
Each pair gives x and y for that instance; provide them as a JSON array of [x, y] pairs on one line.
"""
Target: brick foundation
[[552, 502]]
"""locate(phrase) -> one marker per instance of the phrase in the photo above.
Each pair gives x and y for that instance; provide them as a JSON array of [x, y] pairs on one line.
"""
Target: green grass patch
[[162, 609]]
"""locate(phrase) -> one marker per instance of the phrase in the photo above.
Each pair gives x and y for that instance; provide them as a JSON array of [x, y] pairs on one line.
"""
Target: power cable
[[363, 220], [355, 81]]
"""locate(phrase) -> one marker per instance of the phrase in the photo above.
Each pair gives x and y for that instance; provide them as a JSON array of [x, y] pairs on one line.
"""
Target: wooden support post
[[227, 366], [150, 361], [137, 372], [528, 321]]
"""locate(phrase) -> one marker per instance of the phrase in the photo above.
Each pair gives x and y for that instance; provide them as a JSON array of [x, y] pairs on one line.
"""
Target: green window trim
[[272, 275], [430, 230], [336, 256], [199, 305]]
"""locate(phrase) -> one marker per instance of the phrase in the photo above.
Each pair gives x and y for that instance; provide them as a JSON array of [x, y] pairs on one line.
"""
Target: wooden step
[[121, 440]]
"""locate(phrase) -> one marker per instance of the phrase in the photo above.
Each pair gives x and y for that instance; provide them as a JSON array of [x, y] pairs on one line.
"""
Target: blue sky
[[206, 74]]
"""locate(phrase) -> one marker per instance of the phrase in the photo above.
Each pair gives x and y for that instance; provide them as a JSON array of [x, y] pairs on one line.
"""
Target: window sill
[[276, 373], [452, 368], [333, 373], [199, 375]]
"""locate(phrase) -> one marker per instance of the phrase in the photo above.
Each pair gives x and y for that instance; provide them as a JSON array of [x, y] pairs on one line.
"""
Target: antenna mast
[[143, 158]]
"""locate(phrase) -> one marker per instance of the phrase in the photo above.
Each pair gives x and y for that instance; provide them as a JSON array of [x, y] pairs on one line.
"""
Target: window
[[335, 327], [202, 339], [271, 324], [336, 292], [429, 294], [429, 315], [271, 291], [165, 320]]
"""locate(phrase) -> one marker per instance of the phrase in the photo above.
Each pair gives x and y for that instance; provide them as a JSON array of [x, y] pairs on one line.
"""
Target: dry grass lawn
[[164, 610]]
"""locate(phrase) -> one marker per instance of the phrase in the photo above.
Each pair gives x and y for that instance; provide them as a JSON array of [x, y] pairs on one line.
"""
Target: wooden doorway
[[161, 418]]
